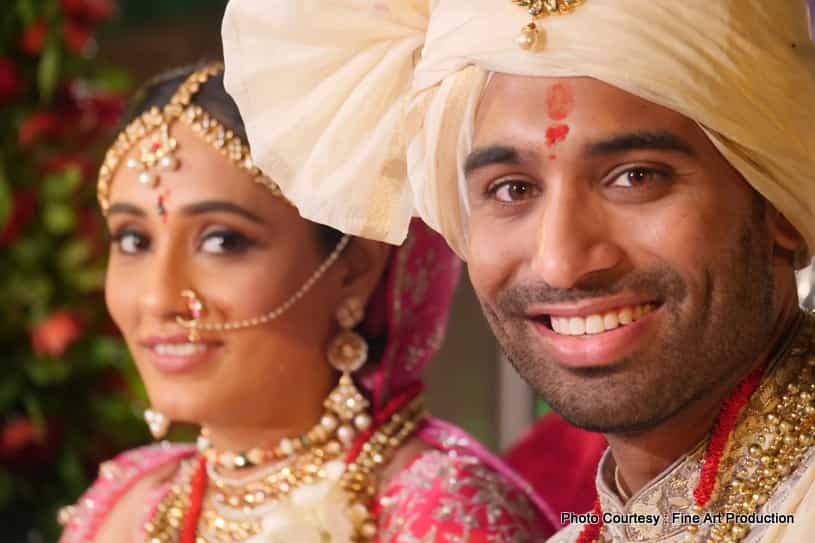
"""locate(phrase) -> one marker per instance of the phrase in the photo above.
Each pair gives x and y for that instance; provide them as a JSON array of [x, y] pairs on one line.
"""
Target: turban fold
[[362, 110]]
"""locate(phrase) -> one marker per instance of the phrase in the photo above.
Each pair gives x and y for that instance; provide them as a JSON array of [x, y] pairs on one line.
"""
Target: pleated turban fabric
[[362, 110]]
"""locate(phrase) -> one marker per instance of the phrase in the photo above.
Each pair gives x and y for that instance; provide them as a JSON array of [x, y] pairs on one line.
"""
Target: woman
[[240, 316]]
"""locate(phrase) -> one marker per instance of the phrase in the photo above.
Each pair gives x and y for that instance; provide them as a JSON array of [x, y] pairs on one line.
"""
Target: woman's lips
[[176, 355], [596, 339]]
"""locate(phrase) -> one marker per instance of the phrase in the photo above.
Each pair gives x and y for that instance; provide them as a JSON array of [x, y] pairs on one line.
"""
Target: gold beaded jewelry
[[158, 149], [530, 35], [228, 515]]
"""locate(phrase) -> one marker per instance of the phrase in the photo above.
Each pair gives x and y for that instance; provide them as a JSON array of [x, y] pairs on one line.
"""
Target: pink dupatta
[[414, 300]]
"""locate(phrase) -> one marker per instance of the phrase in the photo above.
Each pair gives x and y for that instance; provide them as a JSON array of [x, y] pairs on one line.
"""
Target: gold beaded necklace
[[227, 512]]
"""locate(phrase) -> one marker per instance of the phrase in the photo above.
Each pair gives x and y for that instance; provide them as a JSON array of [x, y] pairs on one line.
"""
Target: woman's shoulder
[[136, 471], [450, 495]]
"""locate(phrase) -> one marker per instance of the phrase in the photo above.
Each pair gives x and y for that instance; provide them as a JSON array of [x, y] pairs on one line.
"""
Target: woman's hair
[[212, 96]]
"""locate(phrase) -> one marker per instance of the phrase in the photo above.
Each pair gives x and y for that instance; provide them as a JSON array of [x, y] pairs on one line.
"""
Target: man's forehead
[[522, 107]]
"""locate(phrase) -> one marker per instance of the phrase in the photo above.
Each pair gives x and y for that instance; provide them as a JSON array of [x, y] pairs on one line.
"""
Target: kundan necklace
[[207, 507], [788, 432]]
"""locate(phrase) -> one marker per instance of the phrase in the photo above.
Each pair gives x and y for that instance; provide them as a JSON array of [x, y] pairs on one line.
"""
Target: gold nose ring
[[196, 307]]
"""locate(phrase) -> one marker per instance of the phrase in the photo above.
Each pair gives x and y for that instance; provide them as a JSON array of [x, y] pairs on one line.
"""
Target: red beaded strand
[[198, 488], [381, 416], [725, 422], [591, 532]]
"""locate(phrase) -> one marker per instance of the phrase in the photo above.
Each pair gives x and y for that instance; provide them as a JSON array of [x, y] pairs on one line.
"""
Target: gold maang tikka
[[530, 35], [151, 130]]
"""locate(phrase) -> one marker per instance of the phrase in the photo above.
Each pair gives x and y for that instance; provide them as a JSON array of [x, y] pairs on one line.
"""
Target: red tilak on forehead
[[556, 134], [559, 101], [559, 104]]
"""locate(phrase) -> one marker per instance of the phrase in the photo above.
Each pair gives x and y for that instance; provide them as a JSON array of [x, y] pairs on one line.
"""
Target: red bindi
[[556, 134], [559, 101], [161, 209]]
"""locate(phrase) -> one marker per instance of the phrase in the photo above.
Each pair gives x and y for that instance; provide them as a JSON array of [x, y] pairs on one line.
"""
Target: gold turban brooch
[[362, 110]]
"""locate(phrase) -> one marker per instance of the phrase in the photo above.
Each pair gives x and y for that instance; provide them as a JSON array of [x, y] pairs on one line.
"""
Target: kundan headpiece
[[151, 132]]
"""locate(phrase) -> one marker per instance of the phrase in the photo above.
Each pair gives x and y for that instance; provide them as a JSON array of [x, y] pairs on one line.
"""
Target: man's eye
[[129, 242], [225, 242], [512, 191], [636, 177]]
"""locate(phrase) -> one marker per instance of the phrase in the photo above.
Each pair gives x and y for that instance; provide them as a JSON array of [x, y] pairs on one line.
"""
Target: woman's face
[[244, 252]]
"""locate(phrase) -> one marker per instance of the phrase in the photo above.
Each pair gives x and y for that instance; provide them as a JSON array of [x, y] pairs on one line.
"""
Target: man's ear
[[365, 261], [785, 237]]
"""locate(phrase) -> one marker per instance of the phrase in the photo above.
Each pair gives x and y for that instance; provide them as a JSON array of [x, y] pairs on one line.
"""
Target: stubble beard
[[694, 350]]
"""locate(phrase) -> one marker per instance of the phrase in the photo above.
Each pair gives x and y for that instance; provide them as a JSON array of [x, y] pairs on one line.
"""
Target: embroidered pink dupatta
[[416, 295]]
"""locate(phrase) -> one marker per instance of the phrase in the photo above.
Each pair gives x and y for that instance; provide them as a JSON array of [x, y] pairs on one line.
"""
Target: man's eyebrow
[[486, 156], [209, 206], [658, 141]]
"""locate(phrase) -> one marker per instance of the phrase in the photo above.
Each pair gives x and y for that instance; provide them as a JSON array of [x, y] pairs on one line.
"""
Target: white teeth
[[596, 324], [577, 326], [610, 321], [626, 315], [179, 349]]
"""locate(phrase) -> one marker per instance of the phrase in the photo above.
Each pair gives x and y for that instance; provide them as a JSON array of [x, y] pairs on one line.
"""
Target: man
[[633, 186]]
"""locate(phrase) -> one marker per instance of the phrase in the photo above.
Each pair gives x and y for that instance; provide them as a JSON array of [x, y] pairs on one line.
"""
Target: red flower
[[22, 210], [33, 39], [106, 109], [55, 334], [10, 83], [89, 10], [40, 124], [76, 36], [22, 449], [16, 435]]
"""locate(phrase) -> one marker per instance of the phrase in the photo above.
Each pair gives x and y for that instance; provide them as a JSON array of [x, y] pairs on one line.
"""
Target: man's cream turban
[[362, 110]]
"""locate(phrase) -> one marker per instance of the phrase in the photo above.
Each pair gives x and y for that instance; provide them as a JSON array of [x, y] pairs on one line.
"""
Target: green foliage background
[[68, 393]]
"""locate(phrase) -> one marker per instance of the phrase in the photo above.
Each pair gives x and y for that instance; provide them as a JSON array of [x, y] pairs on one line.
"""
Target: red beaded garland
[[381, 416], [725, 423], [591, 532], [198, 487]]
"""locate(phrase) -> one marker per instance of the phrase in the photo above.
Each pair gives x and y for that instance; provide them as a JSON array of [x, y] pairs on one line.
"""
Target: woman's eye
[[225, 242], [636, 177], [129, 242], [513, 191]]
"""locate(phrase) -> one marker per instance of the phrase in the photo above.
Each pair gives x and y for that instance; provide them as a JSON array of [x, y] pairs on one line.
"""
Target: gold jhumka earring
[[530, 36], [347, 353]]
